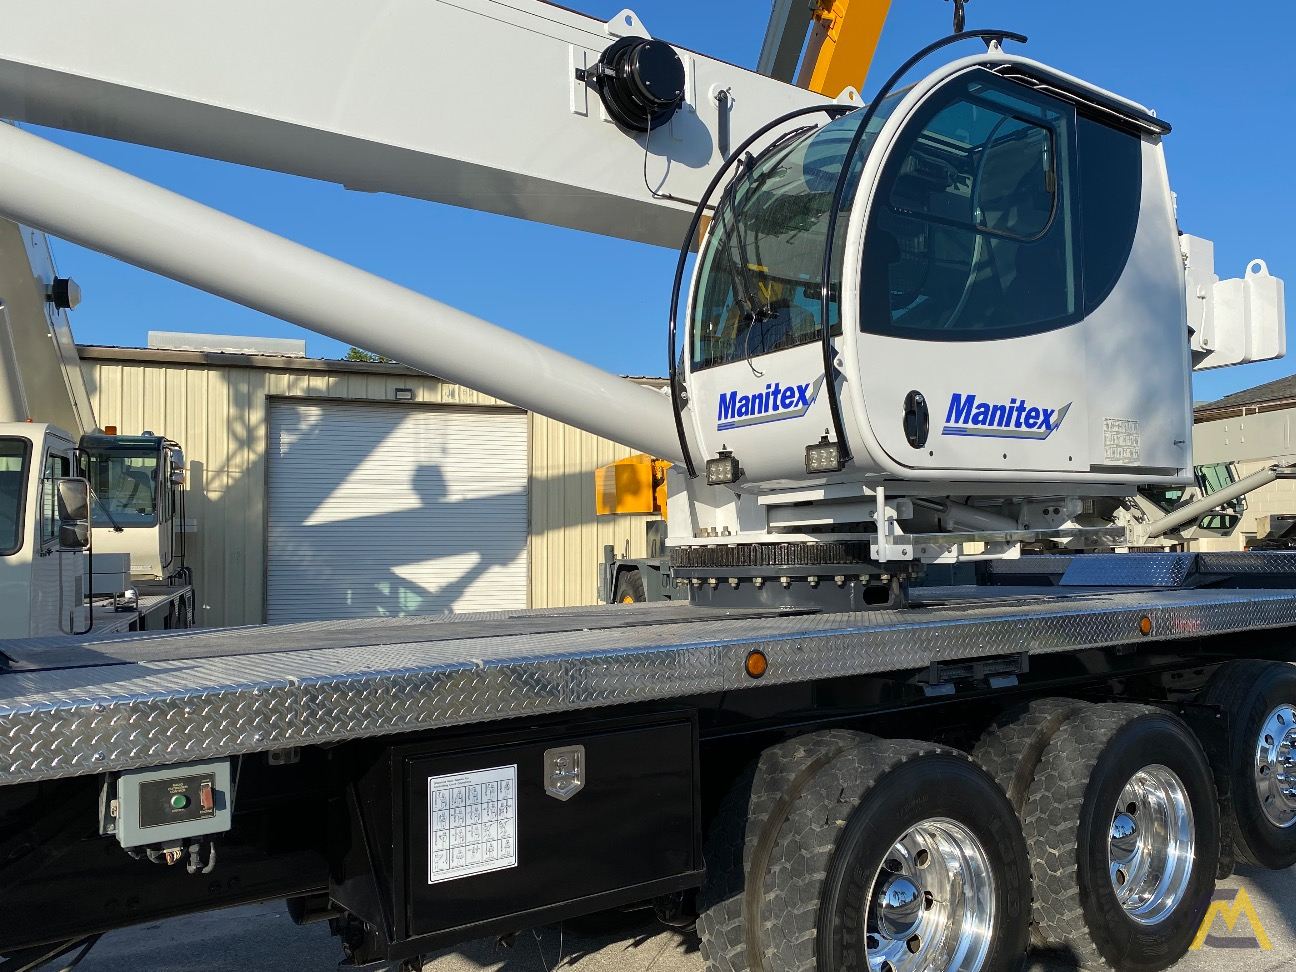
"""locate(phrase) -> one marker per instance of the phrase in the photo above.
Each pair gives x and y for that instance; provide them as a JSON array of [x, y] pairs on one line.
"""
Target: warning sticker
[[472, 823], [1122, 443]]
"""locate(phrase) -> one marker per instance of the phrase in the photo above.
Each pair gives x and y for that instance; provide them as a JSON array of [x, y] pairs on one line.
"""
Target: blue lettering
[[728, 406], [960, 409], [999, 415], [1046, 418], [1031, 418]]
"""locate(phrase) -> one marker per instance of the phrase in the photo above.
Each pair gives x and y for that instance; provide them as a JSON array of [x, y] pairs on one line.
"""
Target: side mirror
[[73, 513], [177, 467]]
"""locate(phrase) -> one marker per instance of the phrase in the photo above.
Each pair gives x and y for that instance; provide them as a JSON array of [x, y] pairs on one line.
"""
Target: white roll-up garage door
[[381, 510]]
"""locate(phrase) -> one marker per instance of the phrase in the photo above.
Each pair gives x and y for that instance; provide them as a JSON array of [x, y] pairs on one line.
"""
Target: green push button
[[179, 801]]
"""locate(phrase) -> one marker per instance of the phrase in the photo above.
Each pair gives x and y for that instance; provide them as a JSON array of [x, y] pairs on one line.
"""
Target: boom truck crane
[[1070, 750], [53, 451]]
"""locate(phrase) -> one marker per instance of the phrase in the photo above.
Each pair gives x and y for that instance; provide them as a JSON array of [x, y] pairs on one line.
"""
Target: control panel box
[[170, 803]]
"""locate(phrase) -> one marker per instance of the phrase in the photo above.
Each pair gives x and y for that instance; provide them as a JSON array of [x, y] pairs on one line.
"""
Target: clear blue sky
[[1220, 73]]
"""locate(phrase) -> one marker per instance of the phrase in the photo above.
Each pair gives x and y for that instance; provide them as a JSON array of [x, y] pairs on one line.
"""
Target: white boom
[[475, 103], [40, 373], [100, 207]]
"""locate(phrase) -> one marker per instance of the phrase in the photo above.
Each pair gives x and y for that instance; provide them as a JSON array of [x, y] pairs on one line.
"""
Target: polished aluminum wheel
[[1275, 767], [933, 904], [1152, 844]]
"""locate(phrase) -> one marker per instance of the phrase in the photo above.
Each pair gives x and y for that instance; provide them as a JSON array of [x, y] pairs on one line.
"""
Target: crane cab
[[1006, 309]]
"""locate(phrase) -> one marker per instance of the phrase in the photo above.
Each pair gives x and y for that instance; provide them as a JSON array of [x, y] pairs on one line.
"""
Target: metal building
[[1254, 428], [328, 489]]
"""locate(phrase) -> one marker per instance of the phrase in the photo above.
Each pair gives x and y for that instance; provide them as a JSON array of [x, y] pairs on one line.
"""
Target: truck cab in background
[[51, 581], [137, 505]]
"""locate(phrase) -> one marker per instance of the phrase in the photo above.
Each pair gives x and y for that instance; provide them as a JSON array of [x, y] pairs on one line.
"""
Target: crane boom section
[[842, 43], [40, 372], [475, 103], [78, 199]]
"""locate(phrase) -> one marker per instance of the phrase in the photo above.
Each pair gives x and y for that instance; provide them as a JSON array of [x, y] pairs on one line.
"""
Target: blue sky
[[1221, 74]]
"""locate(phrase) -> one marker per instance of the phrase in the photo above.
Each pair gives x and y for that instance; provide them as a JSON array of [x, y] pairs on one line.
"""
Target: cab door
[[970, 285]]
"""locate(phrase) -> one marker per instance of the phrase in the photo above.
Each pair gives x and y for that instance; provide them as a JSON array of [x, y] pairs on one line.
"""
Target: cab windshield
[[13, 476], [124, 481], [759, 286]]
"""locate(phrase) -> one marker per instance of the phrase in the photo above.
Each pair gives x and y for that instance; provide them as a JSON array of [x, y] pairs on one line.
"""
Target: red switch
[[206, 798]]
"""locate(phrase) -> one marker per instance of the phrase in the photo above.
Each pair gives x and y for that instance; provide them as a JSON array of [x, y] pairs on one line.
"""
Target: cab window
[[13, 483], [759, 288], [973, 233], [56, 467], [125, 484]]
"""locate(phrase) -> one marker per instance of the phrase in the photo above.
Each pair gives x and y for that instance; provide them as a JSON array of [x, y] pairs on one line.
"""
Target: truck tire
[[898, 856], [629, 588], [1011, 749], [741, 838], [1123, 828], [1260, 760]]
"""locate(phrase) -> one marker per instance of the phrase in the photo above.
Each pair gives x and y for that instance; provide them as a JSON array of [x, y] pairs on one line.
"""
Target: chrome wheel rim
[[1151, 844], [932, 905], [1275, 767]]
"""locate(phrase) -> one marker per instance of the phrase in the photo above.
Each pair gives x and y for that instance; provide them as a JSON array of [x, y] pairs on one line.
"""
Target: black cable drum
[[641, 83]]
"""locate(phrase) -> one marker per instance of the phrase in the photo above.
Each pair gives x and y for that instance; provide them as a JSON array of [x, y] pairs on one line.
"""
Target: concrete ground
[[261, 938]]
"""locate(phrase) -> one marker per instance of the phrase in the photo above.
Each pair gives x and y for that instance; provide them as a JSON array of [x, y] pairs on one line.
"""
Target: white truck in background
[[89, 520]]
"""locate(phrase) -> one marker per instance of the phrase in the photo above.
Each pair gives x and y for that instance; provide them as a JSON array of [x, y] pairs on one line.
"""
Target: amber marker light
[[756, 664], [1145, 625]]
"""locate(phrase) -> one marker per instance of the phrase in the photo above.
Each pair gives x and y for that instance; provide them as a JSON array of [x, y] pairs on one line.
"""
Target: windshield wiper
[[117, 527]]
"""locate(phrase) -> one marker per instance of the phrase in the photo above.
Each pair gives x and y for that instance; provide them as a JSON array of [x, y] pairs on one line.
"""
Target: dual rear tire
[[861, 863], [1093, 830], [1256, 767]]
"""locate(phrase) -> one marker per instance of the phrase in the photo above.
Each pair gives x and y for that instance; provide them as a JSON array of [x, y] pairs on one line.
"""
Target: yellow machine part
[[636, 484], [841, 47]]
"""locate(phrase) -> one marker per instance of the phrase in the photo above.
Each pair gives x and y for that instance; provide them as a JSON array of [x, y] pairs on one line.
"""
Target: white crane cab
[[1011, 309], [1008, 354]]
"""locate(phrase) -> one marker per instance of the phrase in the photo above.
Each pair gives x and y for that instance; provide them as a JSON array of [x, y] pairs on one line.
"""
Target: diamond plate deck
[[1129, 570], [369, 679]]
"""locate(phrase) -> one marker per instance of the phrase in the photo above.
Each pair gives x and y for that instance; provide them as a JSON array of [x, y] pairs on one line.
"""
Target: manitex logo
[[1016, 420], [774, 404]]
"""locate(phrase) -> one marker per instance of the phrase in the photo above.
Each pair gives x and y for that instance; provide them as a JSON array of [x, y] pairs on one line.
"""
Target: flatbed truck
[[644, 753], [820, 762]]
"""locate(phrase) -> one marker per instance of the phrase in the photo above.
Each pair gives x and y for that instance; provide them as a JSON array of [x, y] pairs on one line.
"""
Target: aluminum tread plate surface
[[175, 645], [78, 721], [1128, 570]]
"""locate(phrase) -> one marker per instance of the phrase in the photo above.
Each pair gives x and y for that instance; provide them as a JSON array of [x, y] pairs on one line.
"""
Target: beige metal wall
[[215, 405], [567, 537], [1253, 441]]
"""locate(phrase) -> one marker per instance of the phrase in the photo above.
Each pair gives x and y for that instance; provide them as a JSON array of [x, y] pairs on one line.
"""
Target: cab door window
[[972, 232], [56, 467], [13, 484]]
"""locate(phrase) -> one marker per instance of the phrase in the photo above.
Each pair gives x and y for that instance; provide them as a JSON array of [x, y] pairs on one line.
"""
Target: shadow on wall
[[381, 538], [429, 525]]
